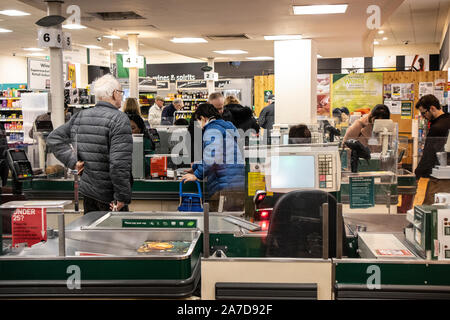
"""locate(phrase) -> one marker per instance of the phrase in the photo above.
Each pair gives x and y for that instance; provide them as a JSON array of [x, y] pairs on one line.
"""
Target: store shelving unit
[[10, 115]]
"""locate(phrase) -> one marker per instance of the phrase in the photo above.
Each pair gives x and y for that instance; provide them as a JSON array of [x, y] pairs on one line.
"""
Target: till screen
[[18, 155], [292, 172]]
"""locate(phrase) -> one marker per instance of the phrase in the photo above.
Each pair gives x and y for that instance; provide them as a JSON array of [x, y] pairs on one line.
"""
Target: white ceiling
[[416, 22], [339, 35]]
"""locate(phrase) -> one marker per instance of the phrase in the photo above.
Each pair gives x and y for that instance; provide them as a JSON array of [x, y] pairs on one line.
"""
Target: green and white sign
[[362, 194], [267, 93]]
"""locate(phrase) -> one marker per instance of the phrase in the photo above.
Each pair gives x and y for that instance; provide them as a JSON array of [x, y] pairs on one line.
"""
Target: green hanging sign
[[124, 72]]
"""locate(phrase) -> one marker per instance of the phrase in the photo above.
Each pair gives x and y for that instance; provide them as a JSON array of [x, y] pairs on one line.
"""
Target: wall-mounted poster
[[439, 87], [403, 91], [358, 92], [323, 94], [425, 88], [407, 110]]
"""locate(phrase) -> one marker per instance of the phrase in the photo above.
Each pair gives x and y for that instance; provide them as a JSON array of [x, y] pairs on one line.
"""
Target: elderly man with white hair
[[98, 143]]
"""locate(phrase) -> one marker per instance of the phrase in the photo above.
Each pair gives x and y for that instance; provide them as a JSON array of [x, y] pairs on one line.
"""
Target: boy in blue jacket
[[222, 165]]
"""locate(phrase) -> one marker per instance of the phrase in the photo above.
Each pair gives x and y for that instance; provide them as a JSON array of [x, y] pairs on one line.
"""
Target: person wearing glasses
[[439, 121], [98, 143]]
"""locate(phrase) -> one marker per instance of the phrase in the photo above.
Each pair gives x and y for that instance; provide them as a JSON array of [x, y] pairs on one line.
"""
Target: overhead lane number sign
[[130, 61]]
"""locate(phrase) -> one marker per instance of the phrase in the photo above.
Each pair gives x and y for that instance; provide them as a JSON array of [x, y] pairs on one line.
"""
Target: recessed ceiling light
[[188, 40], [112, 37], [319, 56], [5, 30], [380, 31], [376, 42], [90, 46], [320, 9], [385, 38], [284, 37], [33, 49], [14, 13], [73, 26], [260, 58], [110, 44], [231, 51]]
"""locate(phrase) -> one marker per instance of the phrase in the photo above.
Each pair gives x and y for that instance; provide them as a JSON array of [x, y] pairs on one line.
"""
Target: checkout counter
[[322, 251]]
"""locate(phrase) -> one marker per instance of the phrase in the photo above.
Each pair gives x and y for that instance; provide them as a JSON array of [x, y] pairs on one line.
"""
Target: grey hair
[[177, 101], [105, 86]]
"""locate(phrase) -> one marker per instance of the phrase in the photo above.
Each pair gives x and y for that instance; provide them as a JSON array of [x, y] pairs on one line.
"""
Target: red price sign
[[29, 225]]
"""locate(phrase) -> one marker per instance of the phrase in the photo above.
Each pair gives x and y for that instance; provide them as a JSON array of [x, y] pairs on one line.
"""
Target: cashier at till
[[362, 128], [439, 121]]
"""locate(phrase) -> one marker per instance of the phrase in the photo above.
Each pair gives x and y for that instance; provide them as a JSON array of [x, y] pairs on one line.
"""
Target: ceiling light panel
[[112, 37], [233, 51], [4, 30], [14, 13], [320, 9], [188, 40]]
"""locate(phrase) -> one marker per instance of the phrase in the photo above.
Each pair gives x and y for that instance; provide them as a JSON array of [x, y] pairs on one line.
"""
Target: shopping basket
[[190, 201]]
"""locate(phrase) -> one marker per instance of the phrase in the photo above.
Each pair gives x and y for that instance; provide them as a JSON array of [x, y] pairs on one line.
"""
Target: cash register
[[310, 167]]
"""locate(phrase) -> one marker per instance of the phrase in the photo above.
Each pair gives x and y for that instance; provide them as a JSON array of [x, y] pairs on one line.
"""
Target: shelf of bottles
[[144, 98], [190, 99], [11, 115], [183, 115], [423, 130]]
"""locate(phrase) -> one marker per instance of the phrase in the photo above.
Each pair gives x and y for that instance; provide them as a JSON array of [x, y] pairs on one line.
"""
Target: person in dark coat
[[168, 113], [222, 164], [242, 117], [98, 143], [267, 118], [430, 108]]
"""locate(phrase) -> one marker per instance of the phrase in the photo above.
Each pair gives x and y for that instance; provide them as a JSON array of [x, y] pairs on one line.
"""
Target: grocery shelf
[[9, 119], [10, 109], [11, 98], [14, 131]]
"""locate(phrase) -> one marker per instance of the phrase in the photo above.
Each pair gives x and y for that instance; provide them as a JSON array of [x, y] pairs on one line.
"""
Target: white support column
[[295, 81], [210, 84], [133, 50], [56, 72]]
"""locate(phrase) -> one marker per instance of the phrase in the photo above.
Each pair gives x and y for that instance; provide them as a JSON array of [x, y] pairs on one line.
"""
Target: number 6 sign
[[50, 38]]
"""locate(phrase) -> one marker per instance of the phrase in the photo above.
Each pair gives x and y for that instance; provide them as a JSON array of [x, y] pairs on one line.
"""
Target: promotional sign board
[[29, 225], [101, 58], [358, 92], [39, 74]]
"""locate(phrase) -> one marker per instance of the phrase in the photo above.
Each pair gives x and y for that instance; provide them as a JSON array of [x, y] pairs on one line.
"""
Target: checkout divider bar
[[206, 230], [325, 228]]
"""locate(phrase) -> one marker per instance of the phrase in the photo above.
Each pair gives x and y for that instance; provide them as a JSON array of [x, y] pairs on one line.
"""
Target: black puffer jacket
[[240, 116], [103, 137]]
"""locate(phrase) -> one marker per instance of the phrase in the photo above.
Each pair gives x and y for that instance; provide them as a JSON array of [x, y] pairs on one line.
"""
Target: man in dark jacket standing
[[430, 108], [267, 118], [168, 113], [98, 143]]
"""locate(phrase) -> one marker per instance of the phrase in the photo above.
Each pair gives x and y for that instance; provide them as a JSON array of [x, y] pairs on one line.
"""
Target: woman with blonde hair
[[231, 100], [132, 106]]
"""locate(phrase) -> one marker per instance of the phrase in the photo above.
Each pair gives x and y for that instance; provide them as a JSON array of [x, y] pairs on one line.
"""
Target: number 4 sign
[[50, 38], [29, 225]]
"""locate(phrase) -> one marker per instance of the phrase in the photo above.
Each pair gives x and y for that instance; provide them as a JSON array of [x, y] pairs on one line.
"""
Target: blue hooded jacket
[[222, 164]]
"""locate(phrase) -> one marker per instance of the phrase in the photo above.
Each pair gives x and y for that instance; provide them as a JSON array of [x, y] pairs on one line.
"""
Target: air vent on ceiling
[[228, 37], [115, 16]]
